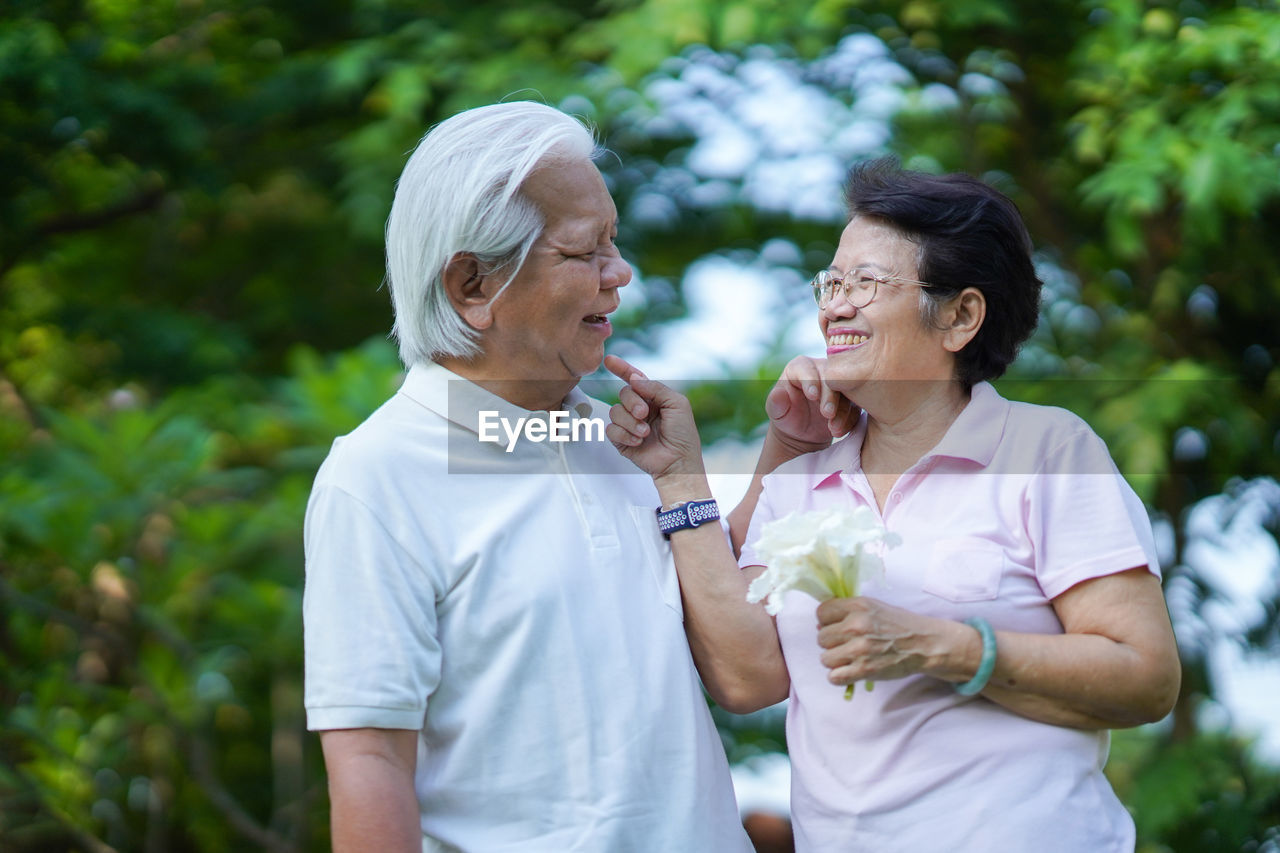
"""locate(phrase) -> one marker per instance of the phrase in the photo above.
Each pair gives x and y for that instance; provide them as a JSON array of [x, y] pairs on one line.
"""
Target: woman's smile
[[843, 340]]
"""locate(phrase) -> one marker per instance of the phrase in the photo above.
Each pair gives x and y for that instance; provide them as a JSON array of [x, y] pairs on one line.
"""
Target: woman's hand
[[1115, 665], [864, 638], [804, 415], [652, 425], [803, 411]]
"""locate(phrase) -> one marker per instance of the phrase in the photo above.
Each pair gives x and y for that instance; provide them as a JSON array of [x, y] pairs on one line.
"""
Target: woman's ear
[[464, 282], [963, 318]]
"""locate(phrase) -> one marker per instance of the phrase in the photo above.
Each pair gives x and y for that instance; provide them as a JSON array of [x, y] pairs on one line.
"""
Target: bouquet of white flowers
[[825, 553]]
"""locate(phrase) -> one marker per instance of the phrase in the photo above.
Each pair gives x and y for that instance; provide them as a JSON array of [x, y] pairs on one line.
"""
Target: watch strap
[[686, 515]]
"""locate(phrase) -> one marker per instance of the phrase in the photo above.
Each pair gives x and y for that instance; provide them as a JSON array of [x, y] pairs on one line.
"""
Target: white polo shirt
[[522, 611], [1014, 506]]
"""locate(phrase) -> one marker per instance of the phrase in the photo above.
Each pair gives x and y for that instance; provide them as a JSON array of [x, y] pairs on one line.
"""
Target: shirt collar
[[974, 434], [848, 450], [460, 400]]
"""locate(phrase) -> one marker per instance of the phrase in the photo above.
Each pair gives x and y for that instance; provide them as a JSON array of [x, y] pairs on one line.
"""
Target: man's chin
[[586, 366]]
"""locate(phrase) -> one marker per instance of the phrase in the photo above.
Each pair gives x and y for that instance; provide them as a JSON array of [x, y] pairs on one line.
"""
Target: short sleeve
[[1084, 520], [372, 656]]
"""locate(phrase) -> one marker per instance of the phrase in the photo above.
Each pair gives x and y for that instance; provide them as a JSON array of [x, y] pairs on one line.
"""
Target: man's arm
[[371, 795], [734, 644]]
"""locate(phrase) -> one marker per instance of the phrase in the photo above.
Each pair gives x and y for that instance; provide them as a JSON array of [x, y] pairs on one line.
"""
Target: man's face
[[552, 321]]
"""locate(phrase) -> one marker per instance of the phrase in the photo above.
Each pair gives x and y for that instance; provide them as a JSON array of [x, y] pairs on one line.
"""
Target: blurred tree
[[151, 601], [191, 190]]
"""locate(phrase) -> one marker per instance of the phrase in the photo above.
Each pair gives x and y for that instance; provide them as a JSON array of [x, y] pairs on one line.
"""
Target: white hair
[[460, 192]]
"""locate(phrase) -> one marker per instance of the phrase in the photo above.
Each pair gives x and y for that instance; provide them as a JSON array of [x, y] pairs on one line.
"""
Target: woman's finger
[[833, 610], [829, 401], [777, 403], [845, 418], [803, 373], [853, 653], [846, 674], [835, 636]]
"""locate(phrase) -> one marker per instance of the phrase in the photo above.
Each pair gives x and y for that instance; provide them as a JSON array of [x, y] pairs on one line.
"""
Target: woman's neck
[[909, 420]]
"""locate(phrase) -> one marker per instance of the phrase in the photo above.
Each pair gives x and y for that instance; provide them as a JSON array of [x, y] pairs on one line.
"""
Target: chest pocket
[[657, 557], [964, 569]]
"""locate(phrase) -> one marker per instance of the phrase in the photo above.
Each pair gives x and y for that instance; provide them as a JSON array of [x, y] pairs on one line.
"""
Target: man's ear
[[962, 318], [464, 282]]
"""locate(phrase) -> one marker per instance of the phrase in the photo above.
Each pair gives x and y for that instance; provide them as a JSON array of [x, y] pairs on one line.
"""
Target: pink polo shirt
[[1015, 505]]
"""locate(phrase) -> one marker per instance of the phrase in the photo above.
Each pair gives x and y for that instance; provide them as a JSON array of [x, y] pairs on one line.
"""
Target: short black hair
[[970, 235]]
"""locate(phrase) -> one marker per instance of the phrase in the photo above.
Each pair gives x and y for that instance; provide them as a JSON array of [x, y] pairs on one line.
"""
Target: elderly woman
[[1020, 619]]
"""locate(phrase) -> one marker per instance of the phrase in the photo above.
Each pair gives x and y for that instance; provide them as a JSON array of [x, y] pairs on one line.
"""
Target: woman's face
[[885, 340]]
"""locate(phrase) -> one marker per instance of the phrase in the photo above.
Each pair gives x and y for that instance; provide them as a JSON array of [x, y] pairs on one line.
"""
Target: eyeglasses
[[859, 286]]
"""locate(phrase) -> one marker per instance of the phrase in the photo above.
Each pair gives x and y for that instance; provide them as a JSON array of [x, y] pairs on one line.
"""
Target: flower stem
[[848, 690]]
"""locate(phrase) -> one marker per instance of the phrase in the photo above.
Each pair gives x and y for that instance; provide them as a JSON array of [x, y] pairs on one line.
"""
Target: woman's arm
[[804, 416], [1115, 665]]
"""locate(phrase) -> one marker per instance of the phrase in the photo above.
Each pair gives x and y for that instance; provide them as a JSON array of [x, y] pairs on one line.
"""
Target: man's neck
[[525, 392]]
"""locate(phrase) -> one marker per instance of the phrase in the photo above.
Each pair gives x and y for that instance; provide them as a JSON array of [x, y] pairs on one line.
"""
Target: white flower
[[825, 553]]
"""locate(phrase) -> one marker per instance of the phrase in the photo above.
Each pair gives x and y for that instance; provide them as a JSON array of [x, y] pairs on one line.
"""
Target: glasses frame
[[826, 283]]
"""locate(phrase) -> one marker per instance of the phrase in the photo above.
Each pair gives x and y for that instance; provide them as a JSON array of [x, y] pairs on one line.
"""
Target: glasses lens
[[821, 285], [860, 288]]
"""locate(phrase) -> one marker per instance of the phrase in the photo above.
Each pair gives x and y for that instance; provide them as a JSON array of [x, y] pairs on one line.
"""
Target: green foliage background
[[192, 195]]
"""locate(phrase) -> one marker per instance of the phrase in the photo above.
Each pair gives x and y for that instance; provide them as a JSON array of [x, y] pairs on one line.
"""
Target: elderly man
[[495, 655]]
